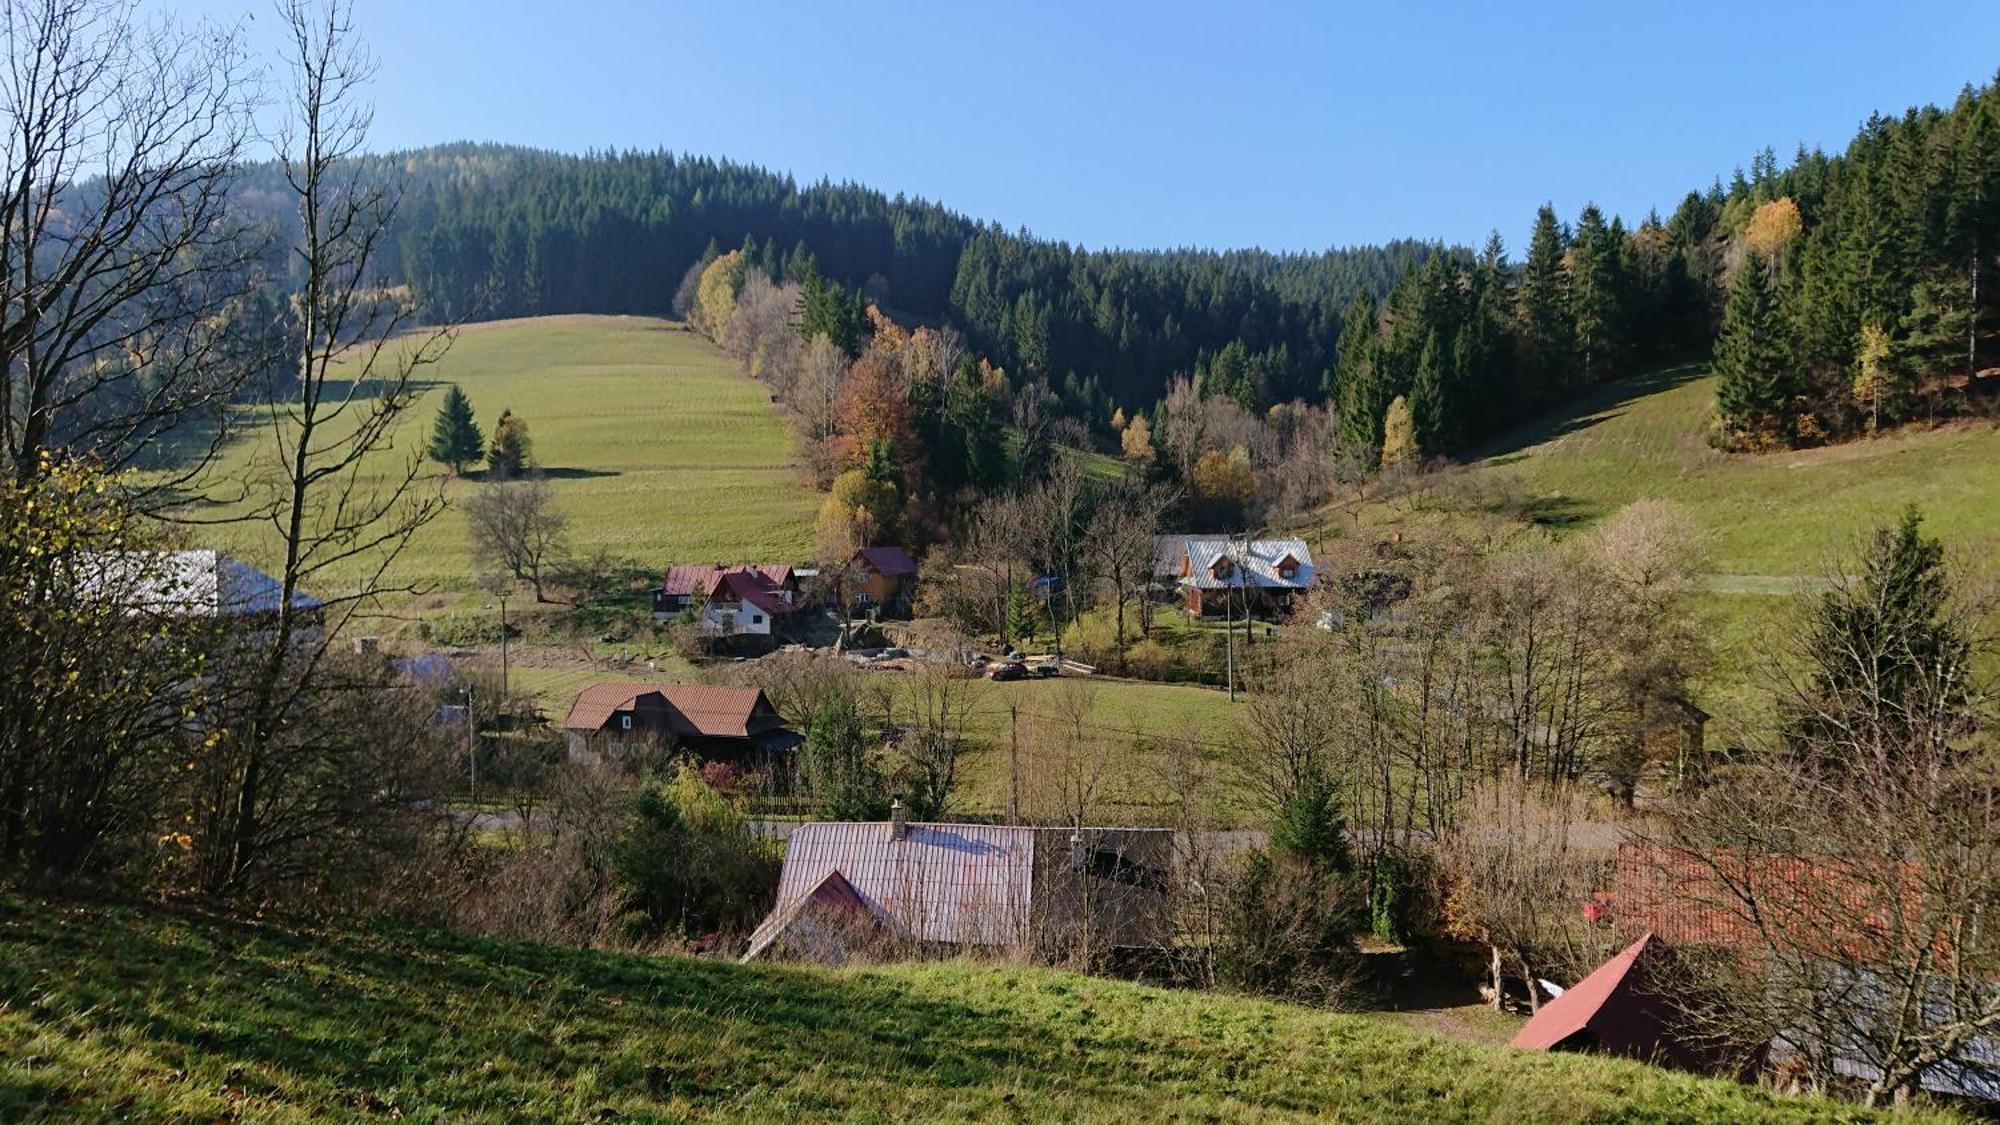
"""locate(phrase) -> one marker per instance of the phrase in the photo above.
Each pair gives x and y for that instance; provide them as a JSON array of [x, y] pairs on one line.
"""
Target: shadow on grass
[[341, 1017], [1596, 406]]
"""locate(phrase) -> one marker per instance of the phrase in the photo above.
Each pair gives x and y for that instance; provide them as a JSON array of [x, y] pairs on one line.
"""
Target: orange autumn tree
[[873, 405]]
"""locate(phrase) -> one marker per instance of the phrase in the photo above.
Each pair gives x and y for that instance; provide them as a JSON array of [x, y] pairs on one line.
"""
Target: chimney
[[898, 826]]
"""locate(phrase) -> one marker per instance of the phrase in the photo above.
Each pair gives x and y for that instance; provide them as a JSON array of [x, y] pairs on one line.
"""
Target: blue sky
[[1164, 124]]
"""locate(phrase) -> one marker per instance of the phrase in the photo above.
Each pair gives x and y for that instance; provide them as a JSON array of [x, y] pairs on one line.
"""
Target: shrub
[[688, 863], [1288, 930]]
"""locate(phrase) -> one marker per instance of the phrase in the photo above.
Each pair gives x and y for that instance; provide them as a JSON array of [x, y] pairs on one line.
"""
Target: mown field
[[657, 449], [126, 1014]]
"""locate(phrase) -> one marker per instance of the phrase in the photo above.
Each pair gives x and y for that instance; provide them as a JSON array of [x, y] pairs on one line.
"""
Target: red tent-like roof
[[1621, 1008]]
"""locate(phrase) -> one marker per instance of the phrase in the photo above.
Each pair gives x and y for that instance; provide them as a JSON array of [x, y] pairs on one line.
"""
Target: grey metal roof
[[188, 584], [1255, 562], [966, 884]]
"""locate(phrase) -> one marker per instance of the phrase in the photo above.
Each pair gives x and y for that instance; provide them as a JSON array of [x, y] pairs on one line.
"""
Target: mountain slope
[[121, 1012]]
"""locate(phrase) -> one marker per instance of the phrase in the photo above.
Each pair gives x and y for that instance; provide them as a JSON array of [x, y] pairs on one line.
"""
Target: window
[[624, 722], [756, 619]]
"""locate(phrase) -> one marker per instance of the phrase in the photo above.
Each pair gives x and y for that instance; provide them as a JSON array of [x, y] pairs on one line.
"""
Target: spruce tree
[[1595, 296], [455, 436], [1887, 660], [1546, 326], [1353, 381], [1430, 394], [1754, 386]]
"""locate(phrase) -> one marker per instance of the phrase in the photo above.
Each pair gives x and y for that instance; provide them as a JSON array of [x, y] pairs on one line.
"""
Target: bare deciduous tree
[[934, 714], [516, 529], [119, 260], [276, 781], [1119, 542]]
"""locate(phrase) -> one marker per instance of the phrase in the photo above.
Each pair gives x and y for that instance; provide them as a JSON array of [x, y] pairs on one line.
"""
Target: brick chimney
[[898, 826]]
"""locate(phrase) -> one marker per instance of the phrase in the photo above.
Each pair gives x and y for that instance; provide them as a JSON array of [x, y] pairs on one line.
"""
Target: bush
[[835, 764], [1288, 930], [1310, 829], [690, 865]]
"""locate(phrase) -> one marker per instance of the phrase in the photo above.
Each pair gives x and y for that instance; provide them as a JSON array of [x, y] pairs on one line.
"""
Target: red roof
[[685, 580], [690, 709], [1585, 1002], [890, 562], [747, 586]]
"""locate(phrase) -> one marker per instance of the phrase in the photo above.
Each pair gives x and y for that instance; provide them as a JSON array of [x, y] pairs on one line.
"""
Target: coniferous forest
[[1838, 293]]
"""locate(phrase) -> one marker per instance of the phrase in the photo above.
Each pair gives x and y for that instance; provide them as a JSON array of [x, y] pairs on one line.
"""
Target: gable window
[[624, 722], [756, 619]]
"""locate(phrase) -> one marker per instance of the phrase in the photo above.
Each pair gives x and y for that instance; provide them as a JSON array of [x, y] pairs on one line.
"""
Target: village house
[[881, 578], [687, 584], [851, 890], [741, 606], [729, 723], [199, 585], [1218, 575]]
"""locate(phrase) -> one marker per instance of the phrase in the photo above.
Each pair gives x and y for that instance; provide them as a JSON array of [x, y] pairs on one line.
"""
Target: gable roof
[[684, 579], [188, 584], [833, 899], [747, 586], [1587, 1003], [1257, 559], [890, 562], [692, 709], [960, 883]]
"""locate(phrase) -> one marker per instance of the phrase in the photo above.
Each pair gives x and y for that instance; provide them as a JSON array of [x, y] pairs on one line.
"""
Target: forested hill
[[1859, 285], [490, 231]]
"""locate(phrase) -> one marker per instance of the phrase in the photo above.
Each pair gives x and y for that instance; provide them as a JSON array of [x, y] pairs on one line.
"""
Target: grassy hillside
[[1772, 523], [127, 1014], [1774, 516], [656, 447]]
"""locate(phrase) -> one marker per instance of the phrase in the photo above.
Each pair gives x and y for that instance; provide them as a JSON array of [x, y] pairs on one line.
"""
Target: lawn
[[121, 1013], [657, 449]]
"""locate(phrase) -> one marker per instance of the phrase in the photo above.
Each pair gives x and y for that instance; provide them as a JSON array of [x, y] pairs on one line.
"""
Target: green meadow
[[657, 449], [176, 1014]]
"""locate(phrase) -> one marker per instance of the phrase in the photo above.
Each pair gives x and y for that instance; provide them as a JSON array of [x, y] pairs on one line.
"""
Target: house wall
[[877, 589], [743, 615]]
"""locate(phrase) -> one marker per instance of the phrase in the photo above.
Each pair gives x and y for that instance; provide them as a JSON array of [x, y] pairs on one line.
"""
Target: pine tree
[[455, 436], [1546, 325], [1353, 380], [1754, 387]]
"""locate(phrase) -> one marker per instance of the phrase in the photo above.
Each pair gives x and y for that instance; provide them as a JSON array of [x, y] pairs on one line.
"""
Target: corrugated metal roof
[[188, 584], [1259, 559], [965, 884]]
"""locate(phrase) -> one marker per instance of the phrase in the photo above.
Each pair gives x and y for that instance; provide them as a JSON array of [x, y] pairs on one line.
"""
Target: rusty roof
[[713, 712]]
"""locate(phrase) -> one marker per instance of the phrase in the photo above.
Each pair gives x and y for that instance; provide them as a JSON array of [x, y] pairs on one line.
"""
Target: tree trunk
[[1499, 980]]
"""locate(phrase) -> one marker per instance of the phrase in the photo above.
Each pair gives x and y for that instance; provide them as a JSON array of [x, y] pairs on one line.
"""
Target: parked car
[[1011, 670], [1048, 668]]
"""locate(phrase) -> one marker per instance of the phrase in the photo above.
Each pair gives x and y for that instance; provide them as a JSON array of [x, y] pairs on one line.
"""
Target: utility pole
[[503, 652], [471, 742], [1014, 762]]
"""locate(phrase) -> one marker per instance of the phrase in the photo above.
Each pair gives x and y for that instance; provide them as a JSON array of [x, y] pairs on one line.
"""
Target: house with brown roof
[[852, 890], [621, 720], [881, 578]]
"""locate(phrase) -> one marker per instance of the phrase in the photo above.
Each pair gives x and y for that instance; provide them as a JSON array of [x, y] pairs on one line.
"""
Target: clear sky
[[1290, 126]]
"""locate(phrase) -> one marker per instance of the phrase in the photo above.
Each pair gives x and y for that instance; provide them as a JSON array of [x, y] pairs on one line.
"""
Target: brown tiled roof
[[696, 709]]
